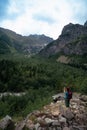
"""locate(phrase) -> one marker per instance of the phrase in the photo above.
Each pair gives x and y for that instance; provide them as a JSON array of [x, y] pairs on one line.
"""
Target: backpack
[[70, 95]]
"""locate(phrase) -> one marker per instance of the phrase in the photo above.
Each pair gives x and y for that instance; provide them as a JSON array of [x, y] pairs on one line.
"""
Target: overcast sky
[[41, 16]]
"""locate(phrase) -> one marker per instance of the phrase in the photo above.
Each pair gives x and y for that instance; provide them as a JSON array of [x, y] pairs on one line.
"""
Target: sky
[[46, 17]]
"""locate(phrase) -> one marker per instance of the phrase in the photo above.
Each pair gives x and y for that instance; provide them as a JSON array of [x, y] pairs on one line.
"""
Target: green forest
[[40, 79]]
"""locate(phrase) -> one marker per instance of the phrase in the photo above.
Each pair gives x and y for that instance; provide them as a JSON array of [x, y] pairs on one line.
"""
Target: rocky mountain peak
[[73, 40], [67, 28], [85, 24], [73, 29]]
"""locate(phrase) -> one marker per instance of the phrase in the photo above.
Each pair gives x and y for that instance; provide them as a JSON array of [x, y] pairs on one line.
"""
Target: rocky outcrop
[[77, 47], [73, 40], [7, 123], [56, 116]]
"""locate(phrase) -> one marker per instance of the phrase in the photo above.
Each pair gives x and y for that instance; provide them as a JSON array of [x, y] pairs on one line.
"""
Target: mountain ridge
[[71, 33], [24, 44]]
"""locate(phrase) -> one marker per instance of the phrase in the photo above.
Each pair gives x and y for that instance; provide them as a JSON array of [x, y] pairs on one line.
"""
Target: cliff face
[[73, 40]]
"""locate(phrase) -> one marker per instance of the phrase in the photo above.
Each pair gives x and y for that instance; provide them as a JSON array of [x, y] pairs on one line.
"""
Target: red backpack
[[70, 95]]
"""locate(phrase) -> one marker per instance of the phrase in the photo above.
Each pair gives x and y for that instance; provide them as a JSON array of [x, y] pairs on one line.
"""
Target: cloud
[[80, 10], [42, 16]]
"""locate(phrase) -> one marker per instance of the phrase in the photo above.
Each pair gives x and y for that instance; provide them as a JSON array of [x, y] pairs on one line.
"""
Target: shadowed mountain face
[[73, 40], [10, 42]]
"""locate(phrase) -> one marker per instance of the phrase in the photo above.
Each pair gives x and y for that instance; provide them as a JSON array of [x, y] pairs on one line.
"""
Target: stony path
[[56, 116]]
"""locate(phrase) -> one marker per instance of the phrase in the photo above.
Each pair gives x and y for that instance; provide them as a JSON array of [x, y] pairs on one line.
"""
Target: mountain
[[72, 41], [12, 43]]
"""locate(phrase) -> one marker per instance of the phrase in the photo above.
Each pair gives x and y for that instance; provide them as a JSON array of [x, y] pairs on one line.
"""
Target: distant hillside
[[73, 40], [12, 43]]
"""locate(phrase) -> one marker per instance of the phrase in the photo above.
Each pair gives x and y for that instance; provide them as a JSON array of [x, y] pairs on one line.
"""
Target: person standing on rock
[[67, 96]]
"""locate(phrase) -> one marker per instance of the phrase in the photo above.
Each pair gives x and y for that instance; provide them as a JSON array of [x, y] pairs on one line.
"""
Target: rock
[[43, 123], [7, 123], [58, 97], [80, 127], [68, 114], [82, 119], [54, 116], [20, 125], [48, 120], [29, 124], [56, 123], [62, 119], [83, 98], [37, 126], [66, 128]]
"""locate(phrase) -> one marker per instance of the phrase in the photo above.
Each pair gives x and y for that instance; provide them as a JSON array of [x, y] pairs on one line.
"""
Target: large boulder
[[7, 123]]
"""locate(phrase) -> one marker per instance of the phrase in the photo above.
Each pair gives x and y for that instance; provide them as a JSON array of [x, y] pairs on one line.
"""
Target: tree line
[[40, 79]]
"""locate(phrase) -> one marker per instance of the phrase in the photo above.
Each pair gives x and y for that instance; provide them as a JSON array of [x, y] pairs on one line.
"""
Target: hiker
[[67, 96]]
